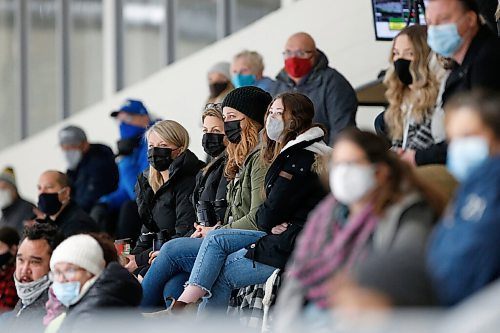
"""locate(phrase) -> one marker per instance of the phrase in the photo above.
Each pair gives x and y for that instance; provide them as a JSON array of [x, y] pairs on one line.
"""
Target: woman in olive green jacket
[[243, 110]]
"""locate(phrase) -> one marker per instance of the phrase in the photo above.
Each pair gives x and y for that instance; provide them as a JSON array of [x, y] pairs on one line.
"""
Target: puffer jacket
[[115, 289], [293, 189], [170, 207], [334, 99]]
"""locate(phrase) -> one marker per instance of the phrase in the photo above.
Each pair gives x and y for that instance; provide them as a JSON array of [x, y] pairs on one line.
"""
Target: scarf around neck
[[327, 245], [29, 292]]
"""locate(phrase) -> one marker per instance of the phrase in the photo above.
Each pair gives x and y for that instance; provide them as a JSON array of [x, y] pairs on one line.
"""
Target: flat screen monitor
[[391, 16]]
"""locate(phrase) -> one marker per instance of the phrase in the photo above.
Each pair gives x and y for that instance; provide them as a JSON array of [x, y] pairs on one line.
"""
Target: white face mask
[[274, 128], [6, 198], [351, 182], [73, 157]]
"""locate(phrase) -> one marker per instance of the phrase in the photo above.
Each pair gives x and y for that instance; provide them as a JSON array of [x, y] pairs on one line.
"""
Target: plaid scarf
[[329, 243]]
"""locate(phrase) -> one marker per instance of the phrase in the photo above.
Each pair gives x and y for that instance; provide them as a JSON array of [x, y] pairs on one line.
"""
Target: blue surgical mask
[[466, 154], [241, 80], [66, 292], [444, 39]]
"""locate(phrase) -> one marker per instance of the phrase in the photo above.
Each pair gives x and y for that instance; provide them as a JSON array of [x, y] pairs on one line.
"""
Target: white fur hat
[[80, 250]]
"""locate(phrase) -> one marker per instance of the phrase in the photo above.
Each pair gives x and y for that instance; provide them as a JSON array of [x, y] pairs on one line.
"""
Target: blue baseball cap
[[131, 106]]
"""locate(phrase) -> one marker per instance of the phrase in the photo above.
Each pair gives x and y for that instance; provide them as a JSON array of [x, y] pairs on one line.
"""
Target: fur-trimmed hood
[[314, 133]]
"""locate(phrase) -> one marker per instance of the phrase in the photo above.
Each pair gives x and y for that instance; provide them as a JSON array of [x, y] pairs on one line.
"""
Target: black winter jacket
[[95, 176], [73, 220], [115, 288], [479, 69], [14, 215], [293, 189], [170, 207], [211, 185], [334, 99]]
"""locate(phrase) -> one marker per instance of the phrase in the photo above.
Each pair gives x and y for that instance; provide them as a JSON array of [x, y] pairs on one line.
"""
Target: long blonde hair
[[172, 132], [237, 153], [423, 94]]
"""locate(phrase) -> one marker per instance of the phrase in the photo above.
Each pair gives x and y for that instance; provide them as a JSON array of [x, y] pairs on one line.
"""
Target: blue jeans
[[169, 270], [221, 266]]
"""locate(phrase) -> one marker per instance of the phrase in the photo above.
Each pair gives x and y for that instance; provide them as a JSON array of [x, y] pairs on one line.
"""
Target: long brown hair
[[298, 114], [238, 152], [402, 179], [423, 94]]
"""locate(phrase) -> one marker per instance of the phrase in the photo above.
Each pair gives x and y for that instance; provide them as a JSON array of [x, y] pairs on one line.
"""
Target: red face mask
[[297, 67]]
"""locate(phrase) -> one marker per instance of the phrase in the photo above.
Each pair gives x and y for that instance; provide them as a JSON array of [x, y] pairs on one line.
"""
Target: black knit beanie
[[9, 236], [249, 100]]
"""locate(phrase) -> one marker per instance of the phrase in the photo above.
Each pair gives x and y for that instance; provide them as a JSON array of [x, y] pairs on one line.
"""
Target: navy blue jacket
[[95, 175], [334, 99], [464, 252]]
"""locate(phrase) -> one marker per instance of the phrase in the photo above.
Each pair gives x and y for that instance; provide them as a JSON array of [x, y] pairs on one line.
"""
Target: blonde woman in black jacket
[[164, 191]]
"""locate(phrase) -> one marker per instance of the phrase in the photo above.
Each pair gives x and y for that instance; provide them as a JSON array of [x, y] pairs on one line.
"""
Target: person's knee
[[171, 247]]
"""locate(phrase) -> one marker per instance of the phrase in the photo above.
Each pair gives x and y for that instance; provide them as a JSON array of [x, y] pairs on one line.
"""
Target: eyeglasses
[[298, 54], [68, 275], [213, 106]]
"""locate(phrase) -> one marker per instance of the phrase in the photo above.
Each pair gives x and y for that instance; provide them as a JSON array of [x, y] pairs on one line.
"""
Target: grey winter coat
[[334, 99]]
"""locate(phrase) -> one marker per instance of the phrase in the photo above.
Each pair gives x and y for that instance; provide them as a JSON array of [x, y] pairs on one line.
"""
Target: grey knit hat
[[72, 135], [221, 67]]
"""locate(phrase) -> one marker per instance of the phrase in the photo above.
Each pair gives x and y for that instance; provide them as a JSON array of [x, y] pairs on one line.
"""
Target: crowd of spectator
[[295, 207]]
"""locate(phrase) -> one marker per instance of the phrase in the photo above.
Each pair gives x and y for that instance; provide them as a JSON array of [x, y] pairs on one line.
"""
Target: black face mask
[[216, 88], [4, 258], [49, 203], [127, 146], [213, 144], [233, 131], [402, 68], [160, 158]]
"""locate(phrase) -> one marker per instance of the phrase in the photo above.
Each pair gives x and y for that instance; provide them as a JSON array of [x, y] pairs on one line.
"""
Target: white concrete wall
[[342, 29]]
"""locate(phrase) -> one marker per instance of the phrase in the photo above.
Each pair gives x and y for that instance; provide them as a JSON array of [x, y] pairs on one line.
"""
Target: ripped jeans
[[221, 266]]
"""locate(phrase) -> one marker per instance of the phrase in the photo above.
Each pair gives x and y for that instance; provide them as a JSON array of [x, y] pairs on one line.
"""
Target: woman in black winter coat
[[164, 192], [210, 189], [87, 263]]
